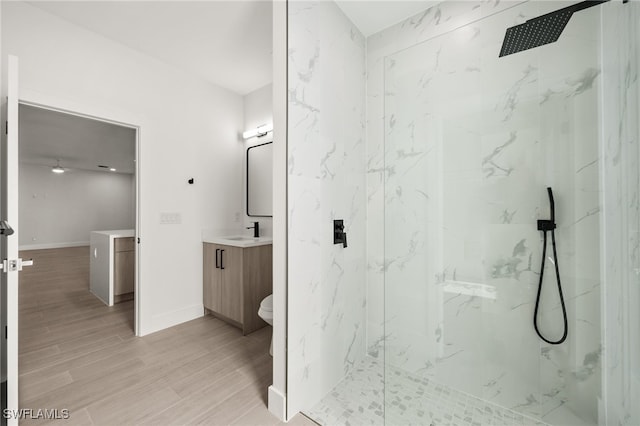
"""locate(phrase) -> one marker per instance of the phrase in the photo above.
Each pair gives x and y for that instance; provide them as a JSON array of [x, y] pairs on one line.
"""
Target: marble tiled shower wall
[[621, 180], [470, 143], [440, 201], [326, 181]]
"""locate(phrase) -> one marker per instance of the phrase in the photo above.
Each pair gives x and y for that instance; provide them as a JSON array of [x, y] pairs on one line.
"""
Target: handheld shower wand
[[550, 226]]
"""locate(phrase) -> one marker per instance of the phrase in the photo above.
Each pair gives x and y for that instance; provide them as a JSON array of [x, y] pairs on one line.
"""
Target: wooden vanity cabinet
[[123, 268], [235, 282]]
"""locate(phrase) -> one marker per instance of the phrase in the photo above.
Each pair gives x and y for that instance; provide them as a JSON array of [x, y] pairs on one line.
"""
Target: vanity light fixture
[[57, 168], [112, 169], [259, 131]]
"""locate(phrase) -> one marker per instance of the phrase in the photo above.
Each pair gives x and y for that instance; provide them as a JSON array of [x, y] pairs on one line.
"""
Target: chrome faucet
[[256, 229]]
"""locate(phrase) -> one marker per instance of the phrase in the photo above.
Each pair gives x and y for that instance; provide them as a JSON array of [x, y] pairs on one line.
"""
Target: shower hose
[[549, 226]]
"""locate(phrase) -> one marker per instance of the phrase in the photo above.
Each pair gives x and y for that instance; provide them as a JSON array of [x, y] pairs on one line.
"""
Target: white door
[[11, 263]]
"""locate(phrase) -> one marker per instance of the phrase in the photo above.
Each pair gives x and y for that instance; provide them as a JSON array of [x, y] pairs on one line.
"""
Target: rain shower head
[[542, 30]]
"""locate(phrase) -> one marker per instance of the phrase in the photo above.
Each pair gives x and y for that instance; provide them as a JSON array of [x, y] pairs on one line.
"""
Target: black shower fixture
[[549, 225], [339, 236], [542, 30]]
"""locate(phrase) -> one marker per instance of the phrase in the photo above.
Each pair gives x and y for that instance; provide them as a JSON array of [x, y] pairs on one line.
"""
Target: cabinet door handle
[[217, 264], [221, 259]]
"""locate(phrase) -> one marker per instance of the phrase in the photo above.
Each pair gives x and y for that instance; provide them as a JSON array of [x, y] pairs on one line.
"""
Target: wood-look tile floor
[[80, 355]]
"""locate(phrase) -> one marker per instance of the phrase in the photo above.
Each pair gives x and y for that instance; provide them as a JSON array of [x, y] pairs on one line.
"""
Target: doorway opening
[[79, 216]]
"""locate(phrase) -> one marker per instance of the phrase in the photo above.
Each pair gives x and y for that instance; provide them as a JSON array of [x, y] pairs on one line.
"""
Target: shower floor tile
[[360, 400]]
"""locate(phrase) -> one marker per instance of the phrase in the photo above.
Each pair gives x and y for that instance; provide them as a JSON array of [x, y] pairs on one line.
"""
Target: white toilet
[[266, 313]]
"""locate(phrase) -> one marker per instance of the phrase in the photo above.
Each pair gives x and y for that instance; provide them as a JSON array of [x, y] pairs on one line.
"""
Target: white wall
[[278, 390], [258, 110], [188, 128], [61, 210]]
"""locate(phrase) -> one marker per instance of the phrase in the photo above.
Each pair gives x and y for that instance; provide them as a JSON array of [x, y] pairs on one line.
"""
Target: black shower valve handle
[[339, 236]]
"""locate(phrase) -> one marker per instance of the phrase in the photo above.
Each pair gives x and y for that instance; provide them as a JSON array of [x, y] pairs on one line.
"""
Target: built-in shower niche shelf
[[485, 291]]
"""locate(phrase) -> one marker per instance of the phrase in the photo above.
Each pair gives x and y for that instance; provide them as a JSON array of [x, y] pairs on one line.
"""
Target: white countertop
[[236, 240], [119, 233]]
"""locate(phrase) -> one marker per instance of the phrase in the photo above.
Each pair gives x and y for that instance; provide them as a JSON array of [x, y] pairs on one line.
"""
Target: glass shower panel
[[472, 141]]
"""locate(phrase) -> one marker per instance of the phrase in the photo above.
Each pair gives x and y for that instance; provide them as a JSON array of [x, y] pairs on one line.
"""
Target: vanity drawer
[[124, 244]]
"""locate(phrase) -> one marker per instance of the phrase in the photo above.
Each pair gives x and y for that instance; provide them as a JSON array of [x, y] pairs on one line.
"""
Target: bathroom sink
[[236, 240]]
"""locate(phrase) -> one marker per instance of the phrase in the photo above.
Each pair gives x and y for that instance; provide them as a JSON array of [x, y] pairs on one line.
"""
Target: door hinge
[[138, 240], [6, 127], [5, 331]]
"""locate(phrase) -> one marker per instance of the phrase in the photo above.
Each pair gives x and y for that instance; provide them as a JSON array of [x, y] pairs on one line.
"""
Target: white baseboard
[[52, 245], [277, 403], [169, 319]]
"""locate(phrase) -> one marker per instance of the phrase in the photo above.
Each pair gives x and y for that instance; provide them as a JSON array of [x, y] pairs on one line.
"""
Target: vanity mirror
[[260, 180]]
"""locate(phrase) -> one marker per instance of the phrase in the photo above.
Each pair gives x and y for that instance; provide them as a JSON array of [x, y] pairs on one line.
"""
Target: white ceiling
[[225, 42], [79, 143], [372, 16]]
